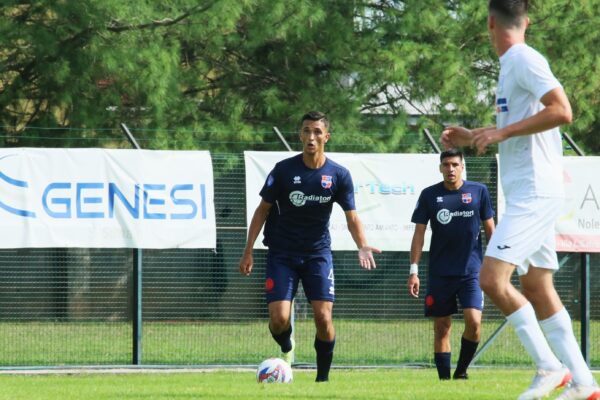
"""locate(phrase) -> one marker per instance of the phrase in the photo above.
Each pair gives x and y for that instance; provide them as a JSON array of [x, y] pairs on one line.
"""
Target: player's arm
[[488, 227], [557, 111], [258, 220], [459, 136], [365, 252], [416, 250]]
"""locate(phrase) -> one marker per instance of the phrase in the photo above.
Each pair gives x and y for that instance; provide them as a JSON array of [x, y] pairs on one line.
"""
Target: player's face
[[452, 169], [313, 136]]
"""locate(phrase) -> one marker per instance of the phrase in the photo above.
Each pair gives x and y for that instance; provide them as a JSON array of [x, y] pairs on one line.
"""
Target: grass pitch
[[371, 384]]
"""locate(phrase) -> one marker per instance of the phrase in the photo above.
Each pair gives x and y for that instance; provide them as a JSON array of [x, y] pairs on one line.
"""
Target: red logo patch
[[269, 284], [429, 301]]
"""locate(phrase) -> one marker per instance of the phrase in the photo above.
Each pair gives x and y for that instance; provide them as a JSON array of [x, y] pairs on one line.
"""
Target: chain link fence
[[70, 306]]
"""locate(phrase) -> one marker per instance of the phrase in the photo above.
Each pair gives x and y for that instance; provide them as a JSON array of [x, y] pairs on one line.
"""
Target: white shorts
[[525, 234]]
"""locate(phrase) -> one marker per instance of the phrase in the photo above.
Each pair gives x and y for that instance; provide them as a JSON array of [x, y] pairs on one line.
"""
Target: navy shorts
[[443, 292], [284, 271]]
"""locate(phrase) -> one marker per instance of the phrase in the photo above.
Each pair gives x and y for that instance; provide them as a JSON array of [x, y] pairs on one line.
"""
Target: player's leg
[[471, 300], [555, 322], [318, 283], [468, 342], [513, 242], [280, 323], [442, 351], [281, 285], [495, 282], [440, 304], [325, 337]]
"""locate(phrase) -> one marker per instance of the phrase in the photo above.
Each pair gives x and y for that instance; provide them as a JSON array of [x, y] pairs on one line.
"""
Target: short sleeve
[[421, 213], [270, 189], [485, 211], [535, 76], [345, 193]]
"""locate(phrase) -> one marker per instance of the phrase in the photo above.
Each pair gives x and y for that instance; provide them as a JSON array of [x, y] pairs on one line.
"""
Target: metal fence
[[69, 306]]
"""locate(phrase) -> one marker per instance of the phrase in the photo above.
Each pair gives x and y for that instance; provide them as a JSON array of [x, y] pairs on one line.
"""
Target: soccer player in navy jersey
[[456, 208], [296, 204]]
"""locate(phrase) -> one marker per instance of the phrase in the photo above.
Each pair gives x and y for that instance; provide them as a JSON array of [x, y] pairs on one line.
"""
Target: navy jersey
[[302, 201], [455, 217]]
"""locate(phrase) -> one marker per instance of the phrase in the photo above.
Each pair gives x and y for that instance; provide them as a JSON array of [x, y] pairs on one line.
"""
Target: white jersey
[[530, 165]]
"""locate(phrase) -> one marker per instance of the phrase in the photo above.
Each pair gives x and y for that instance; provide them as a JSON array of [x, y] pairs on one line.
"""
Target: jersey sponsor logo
[[466, 198], [326, 181], [439, 199], [299, 199], [297, 180], [501, 105], [444, 216]]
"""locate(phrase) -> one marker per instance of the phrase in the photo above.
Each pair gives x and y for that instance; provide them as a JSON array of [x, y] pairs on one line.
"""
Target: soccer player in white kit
[[530, 106]]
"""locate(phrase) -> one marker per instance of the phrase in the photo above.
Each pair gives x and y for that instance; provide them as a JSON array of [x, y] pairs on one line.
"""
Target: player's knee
[[472, 330], [323, 320], [489, 283], [279, 323], [442, 327]]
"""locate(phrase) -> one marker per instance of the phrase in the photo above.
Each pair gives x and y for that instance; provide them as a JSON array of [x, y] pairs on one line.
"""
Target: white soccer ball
[[274, 370]]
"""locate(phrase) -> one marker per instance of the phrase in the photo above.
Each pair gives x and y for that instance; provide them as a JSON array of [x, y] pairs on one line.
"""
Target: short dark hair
[[315, 116], [451, 153], [510, 13]]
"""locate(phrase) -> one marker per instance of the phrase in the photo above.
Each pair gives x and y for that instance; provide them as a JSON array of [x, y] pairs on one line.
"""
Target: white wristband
[[414, 269]]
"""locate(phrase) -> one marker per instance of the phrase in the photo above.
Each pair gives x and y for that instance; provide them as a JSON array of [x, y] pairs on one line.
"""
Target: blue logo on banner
[[71, 200]]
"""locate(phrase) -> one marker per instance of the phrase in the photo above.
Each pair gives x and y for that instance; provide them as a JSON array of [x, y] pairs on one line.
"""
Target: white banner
[[106, 198], [578, 228], [386, 186]]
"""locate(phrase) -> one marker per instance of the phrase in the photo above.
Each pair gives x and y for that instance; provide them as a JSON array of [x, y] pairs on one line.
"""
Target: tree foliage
[[225, 70]]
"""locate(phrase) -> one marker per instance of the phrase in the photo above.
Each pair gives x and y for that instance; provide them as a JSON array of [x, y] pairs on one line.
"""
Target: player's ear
[[491, 22]]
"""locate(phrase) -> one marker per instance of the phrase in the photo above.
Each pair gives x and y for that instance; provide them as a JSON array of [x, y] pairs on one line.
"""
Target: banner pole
[[137, 283]]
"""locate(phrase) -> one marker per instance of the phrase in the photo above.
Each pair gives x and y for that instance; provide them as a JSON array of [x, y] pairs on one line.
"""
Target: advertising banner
[[94, 198], [386, 187], [578, 227]]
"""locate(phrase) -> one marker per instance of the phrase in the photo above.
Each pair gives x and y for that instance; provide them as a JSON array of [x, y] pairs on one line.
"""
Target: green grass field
[[372, 384], [359, 343]]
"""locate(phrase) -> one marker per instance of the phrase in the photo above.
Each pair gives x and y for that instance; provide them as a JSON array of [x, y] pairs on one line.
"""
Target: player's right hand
[[413, 285], [246, 264], [456, 136]]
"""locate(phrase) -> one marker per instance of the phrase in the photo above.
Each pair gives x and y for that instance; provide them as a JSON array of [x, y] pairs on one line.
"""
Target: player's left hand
[[456, 136], [482, 139], [365, 257]]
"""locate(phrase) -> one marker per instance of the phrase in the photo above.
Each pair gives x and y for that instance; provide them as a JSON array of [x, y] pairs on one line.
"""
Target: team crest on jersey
[[326, 181], [466, 198]]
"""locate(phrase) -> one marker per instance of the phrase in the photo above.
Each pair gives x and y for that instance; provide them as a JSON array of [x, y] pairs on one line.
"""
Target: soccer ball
[[274, 370]]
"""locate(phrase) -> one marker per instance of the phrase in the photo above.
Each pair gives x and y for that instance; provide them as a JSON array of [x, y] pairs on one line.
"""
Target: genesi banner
[[578, 227], [386, 187], [96, 198]]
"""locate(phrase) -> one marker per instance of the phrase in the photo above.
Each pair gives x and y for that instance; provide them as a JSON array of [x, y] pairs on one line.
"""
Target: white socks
[[529, 332], [559, 332]]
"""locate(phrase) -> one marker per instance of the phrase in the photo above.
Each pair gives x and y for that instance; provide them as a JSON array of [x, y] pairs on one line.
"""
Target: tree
[[187, 71]]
